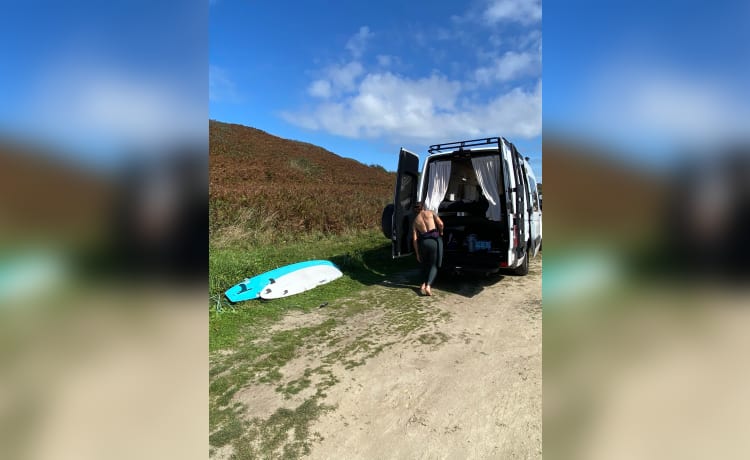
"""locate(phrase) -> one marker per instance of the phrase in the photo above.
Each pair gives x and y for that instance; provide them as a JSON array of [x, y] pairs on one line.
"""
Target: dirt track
[[457, 375], [476, 395]]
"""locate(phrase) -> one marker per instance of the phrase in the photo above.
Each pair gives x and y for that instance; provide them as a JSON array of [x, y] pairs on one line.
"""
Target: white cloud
[[356, 45], [664, 104], [100, 106], [337, 79], [343, 76], [320, 88], [510, 66], [426, 109], [522, 11], [503, 98]]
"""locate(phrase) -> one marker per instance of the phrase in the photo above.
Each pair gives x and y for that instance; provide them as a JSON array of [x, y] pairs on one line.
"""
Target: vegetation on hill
[[595, 195], [262, 185], [45, 198]]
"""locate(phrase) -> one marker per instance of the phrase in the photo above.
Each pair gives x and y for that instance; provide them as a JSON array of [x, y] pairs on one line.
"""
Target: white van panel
[[535, 219]]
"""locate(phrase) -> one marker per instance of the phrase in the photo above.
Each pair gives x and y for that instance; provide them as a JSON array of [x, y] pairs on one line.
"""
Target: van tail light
[[503, 264], [515, 236]]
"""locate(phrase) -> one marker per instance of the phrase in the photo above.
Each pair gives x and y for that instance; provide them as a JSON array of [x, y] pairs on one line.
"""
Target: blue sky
[[364, 78], [648, 79], [96, 81], [95, 78]]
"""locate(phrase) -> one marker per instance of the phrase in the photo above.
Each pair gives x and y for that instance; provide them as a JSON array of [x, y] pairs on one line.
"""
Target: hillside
[[44, 197], [260, 180], [593, 195]]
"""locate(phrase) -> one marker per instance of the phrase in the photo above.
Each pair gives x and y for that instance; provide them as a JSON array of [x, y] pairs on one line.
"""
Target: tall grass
[[259, 182], [326, 208]]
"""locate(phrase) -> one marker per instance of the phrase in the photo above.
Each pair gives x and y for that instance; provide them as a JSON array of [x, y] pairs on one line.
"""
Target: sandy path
[[476, 395]]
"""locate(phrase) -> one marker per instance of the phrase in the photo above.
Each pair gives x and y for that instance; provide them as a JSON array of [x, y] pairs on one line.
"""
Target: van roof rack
[[463, 145]]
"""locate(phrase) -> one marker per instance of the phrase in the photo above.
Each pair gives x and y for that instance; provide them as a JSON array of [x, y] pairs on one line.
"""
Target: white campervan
[[486, 194]]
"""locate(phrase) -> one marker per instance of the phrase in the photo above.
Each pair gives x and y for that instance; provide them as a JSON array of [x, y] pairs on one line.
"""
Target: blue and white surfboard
[[300, 280], [251, 288]]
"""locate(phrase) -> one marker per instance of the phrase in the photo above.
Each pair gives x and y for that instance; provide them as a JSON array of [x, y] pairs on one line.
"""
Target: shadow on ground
[[376, 266], [466, 284], [372, 266]]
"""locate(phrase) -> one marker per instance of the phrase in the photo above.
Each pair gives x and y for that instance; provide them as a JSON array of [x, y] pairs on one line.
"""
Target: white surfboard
[[300, 281], [251, 288]]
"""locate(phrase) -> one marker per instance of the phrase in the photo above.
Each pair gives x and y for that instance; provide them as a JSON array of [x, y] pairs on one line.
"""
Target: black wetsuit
[[431, 253]]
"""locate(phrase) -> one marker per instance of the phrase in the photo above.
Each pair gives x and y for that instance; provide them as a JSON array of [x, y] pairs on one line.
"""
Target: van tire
[[523, 269], [386, 222]]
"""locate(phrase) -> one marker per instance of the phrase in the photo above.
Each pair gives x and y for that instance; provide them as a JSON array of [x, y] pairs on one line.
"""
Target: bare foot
[[428, 291]]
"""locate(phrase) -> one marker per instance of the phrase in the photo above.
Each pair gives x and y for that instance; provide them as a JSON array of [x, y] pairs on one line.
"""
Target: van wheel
[[523, 269], [386, 222]]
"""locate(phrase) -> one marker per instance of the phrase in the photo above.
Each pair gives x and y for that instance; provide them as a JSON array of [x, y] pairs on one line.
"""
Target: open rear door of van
[[509, 192], [403, 203], [521, 197]]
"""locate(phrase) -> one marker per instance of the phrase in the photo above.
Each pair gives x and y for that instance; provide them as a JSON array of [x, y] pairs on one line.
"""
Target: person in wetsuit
[[427, 235]]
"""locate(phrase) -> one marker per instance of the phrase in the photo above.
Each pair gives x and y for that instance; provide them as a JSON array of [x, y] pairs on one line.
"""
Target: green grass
[[364, 258], [246, 351], [251, 354], [285, 434]]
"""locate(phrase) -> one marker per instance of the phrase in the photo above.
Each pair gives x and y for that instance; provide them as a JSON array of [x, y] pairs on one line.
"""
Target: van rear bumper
[[473, 270], [472, 263]]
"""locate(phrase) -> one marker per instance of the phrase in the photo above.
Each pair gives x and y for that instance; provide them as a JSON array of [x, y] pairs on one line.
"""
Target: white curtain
[[440, 173], [488, 175]]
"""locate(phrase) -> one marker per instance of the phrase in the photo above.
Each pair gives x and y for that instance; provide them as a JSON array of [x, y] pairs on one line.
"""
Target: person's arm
[[415, 241], [438, 223]]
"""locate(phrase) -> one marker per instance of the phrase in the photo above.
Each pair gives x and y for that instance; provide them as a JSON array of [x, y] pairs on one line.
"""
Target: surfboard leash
[[218, 300]]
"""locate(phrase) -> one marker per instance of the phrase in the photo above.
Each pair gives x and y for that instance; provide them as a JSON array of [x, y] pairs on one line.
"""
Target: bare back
[[426, 221]]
